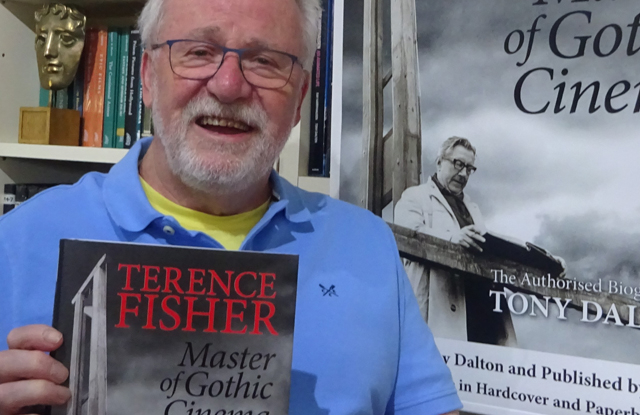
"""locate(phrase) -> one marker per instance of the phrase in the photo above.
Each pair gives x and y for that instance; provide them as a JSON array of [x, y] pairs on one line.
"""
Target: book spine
[[79, 84], [317, 101], [122, 87], [109, 126], [62, 99], [9, 197], [22, 194], [133, 80], [94, 95], [44, 97], [328, 85]]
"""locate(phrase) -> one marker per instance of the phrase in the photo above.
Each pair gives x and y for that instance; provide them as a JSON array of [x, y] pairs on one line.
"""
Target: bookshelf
[[22, 163]]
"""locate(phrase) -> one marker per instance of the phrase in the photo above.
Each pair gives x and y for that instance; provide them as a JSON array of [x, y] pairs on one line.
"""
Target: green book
[[123, 64], [110, 92], [44, 97], [62, 99]]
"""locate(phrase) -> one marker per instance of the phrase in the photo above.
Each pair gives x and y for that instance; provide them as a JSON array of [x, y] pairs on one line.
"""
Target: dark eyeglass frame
[[225, 50], [461, 165]]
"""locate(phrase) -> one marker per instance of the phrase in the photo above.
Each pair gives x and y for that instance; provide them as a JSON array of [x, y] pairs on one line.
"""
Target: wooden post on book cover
[[60, 35], [406, 97]]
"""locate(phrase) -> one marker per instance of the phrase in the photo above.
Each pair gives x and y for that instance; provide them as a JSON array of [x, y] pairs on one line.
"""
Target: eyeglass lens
[[201, 60]]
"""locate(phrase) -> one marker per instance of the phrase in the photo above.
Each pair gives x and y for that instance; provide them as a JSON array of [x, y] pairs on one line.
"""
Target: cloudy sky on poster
[[567, 181]]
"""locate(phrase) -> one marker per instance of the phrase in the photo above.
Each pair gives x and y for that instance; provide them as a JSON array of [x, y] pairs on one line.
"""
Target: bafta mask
[[60, 33]]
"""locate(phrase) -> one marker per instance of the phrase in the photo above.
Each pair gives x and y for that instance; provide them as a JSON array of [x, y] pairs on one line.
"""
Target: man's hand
[[469, 237], [29, 376]]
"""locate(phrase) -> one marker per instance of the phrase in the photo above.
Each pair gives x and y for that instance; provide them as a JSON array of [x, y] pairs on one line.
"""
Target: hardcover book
[[162, 329]]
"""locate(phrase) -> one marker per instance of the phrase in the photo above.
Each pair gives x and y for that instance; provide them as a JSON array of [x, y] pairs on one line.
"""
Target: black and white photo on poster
[[548, 93]]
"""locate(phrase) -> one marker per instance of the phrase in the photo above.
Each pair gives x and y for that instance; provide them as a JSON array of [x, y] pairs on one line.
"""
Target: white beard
[[238, 165]]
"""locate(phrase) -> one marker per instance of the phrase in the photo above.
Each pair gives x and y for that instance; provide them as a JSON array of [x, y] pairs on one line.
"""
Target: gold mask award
[[60, 35]]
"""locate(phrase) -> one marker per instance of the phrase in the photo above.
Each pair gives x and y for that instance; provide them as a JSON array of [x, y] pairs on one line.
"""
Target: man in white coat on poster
[[455, 306]]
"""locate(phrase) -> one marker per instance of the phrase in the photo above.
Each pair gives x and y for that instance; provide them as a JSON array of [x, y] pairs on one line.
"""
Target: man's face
[[59, 46], [452, 179], [223, 133]]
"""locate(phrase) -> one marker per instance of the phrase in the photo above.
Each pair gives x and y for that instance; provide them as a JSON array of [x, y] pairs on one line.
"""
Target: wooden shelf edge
[[62, 153]]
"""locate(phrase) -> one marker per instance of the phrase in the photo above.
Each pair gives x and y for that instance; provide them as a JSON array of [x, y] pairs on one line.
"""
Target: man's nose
[[229, 84], [51, 47]]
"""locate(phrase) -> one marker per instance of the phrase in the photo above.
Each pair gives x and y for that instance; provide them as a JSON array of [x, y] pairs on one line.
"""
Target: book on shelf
[[111, 90], [167, 329], [133, 89], [320, 81], [95, 71], [17, 193]]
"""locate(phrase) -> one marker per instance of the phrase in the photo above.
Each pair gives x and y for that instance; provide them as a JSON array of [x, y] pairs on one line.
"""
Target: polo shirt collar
[[129, 207]]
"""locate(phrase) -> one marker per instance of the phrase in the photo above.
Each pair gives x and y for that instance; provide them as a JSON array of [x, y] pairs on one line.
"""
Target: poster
[[548, 93]]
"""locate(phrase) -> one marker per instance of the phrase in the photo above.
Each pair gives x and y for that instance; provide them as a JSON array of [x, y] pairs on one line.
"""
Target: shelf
[[62, 153]]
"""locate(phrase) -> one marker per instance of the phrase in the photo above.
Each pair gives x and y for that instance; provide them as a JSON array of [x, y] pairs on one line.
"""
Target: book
[[132, 129], [164, 329], [95, 71], [123, 69], [318, 80], [110, 99], [9, 197]]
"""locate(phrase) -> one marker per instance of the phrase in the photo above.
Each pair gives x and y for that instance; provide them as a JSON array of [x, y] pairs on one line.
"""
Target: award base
[[44, 125]]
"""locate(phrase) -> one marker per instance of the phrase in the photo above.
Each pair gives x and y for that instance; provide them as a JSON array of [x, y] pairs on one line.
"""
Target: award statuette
[[60, 34]]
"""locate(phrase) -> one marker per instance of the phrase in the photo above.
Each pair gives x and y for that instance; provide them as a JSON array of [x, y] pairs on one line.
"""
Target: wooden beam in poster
[[372, 117], [436, 252], [406, 97]]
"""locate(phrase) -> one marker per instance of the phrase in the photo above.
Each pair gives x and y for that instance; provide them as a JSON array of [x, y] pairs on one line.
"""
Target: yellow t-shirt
[[230, 231]]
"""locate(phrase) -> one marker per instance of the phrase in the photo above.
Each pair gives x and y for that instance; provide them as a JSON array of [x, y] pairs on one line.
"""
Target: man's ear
[[146, 75], [305, 89]]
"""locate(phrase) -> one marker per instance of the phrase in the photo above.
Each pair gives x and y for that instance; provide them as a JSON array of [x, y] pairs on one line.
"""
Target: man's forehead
[[462, 152]]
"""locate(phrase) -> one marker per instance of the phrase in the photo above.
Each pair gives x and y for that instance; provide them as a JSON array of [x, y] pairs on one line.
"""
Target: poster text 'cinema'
[[574, 36], [195, 299]]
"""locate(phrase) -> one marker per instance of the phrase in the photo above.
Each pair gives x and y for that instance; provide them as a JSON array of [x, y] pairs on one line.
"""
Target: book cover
[[123, 70], [133, 89], [162, 329], [547, 93], [110, 99]]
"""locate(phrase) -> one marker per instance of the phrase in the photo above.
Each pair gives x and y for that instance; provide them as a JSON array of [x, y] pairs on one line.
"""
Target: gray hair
[[152, 16], [452, 142]]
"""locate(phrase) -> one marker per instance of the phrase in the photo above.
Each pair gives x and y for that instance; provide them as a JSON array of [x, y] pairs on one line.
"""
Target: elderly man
[[454, 307], [225, 80]]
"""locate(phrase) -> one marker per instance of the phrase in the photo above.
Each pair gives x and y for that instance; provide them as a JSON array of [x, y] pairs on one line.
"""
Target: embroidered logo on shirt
[[331, 291]]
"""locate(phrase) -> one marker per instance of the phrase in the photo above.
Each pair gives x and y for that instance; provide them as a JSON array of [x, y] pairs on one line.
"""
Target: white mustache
[[250, 115]]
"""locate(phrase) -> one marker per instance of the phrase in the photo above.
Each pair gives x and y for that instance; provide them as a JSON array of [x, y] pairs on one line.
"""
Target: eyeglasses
[[197, 60], [459, 165]]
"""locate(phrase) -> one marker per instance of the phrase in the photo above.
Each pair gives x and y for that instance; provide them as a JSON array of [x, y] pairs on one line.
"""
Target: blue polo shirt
[[363, 351]]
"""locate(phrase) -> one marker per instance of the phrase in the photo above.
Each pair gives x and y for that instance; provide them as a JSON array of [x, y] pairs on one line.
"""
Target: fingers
[[34, 337], [468, 242], [16, 395], [18, 365]]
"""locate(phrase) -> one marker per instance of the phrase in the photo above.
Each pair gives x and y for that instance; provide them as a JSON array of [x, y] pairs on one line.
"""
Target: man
[[455, 307], [225, 80]]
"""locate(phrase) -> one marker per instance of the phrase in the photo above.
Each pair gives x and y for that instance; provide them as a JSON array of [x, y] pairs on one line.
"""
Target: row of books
[[107, 90], [321, 82], [16, 193]]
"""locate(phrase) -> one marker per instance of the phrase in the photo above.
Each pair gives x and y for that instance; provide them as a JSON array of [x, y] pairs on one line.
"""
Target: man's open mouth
[[223, 125]]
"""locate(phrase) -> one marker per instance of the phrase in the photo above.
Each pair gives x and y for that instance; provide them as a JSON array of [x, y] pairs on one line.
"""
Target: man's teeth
[[221, 122]]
